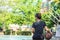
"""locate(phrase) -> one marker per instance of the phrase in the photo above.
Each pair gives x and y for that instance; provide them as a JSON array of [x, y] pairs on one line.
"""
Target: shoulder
[[42, 21], [34, 22]]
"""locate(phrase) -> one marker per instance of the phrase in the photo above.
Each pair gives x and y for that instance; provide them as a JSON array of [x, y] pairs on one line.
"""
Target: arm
[[33, 30], [47, 29]]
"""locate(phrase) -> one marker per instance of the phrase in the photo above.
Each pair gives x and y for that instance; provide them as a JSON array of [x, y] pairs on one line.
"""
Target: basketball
[[48, 35]]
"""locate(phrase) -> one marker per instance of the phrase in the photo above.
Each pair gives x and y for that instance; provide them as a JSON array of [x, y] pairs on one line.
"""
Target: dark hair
[[38, 15]]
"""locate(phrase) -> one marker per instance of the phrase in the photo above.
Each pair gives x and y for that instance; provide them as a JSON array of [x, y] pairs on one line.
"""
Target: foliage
[[19, 11], [22, 12], [7, 32], [56, 10], [25, 33], [46, 17]]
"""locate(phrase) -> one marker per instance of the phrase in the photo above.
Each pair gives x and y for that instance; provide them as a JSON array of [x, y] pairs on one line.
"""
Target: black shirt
[[38, 26]]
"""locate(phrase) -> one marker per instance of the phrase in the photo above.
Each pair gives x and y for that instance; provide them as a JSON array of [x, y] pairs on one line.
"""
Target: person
[[58, 31], [38, 27]]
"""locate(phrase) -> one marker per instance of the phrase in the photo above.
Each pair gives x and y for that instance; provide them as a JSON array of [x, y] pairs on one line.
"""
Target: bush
[[25, 32], [19, 32], [7, 32]]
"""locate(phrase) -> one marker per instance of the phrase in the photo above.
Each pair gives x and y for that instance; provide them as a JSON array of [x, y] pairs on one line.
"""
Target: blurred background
[[17, 16]]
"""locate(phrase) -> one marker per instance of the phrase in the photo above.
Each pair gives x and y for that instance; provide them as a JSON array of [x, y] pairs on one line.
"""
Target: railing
[[56, 13], [51, 10]]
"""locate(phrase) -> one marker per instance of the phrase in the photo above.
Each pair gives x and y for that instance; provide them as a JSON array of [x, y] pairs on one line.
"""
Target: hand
[[49, 32]]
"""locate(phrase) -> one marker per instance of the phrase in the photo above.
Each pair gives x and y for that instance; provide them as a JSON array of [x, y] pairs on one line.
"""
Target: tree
[[19, 11]]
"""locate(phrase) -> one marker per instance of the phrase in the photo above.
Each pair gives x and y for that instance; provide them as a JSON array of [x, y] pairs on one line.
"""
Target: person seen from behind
[[37, 28]]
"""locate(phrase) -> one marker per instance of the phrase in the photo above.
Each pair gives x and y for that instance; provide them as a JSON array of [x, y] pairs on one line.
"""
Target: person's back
[[39, 26]]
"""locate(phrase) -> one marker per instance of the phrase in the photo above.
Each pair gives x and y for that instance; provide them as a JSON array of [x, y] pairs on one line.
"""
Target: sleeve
[[44, 24], [33, 26]]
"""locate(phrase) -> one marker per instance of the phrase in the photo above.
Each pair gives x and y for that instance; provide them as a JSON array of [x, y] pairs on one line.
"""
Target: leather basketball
[[48, 35]]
